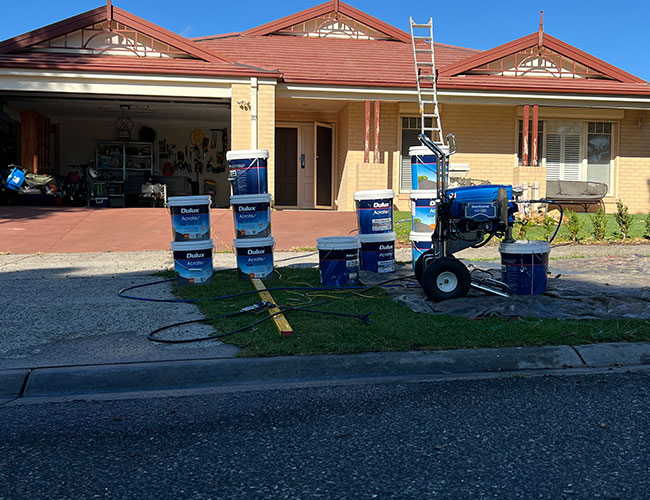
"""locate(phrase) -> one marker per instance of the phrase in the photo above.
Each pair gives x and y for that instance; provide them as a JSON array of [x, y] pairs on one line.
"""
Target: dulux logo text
[[189, 210], [246, 209], [195, 255], [256, 252], [385, 247], [380, 204]]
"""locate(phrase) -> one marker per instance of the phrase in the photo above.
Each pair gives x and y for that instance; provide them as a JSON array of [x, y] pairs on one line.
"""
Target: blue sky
[[613, 31]]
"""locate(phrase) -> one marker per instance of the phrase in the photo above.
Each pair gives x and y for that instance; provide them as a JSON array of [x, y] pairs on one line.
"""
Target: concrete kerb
[[190, 374]]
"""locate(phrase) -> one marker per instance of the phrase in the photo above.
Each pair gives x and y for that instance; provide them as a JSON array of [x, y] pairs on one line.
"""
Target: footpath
[[66, 333]]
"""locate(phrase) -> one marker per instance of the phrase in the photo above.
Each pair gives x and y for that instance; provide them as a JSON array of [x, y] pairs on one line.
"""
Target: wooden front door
[[324, 148], [286, 166]]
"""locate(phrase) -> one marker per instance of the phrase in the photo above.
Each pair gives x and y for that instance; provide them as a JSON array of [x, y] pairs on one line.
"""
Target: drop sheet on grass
[[594, 288]]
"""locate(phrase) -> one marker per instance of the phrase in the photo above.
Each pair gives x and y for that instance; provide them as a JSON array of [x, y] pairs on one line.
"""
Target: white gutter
[[253, 112]]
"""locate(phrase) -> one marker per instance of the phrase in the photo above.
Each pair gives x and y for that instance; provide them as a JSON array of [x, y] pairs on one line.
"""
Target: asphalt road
[[516, 437]]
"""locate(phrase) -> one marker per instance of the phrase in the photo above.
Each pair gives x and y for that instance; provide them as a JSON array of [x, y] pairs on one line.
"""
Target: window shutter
[[571, 158], [553, 156], [409, 138]]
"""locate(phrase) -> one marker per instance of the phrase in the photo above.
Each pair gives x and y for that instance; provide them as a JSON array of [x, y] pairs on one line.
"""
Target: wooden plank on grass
[[280, 321]]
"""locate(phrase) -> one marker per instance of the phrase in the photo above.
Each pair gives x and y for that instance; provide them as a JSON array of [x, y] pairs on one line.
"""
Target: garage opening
[[110, 151]]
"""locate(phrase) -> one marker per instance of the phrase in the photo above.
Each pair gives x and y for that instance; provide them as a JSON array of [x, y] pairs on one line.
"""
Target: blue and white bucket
[[374, 210], [247, 171], [420, 243], [338, 258], [252, 213], [524, 266], [424, 166], [254, 257], [378, 252], [423, 210], [190, 217], [192, 261]]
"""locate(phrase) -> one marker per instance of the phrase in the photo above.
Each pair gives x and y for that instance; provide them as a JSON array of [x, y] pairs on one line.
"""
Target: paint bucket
[[524, 265], [247, 171], [338, 258], [254, 257], [192, 261], [374, 210], [424, 167], [15, 179], [423, 210], [252, 213], [378, 252], [190, 217], [420, 243]]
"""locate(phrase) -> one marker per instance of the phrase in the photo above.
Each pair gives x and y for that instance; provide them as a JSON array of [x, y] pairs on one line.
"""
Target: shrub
[[646, 233], [623, 219], [574, 225], [599, 223], [549, 224], [522, 227]]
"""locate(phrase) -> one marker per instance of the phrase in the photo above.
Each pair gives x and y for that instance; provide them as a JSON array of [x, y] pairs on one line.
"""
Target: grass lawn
[[394, 328], [536, 232]]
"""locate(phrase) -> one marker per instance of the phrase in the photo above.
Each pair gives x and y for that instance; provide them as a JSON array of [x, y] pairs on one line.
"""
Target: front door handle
[[302, 160]]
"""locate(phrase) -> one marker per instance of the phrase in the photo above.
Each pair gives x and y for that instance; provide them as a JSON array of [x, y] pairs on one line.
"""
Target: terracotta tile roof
[[331, 60], [121, 64]]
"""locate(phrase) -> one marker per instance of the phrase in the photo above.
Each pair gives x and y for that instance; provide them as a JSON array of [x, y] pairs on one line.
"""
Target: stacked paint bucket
[[251, 206], [341, 257], [191, 243], [423, 200]]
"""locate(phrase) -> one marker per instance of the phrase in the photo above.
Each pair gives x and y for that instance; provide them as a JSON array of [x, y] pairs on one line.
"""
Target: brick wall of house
[[633, 163]]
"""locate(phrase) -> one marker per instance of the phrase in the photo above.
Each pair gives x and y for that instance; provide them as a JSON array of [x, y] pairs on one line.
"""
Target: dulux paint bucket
[[374, 210], [524, 266], [254, 257], [190, 217], [420, 243], [247, 171], [378, 252], [192, 261], [423, 210], [338, 258], [252, 214], [424, 167]]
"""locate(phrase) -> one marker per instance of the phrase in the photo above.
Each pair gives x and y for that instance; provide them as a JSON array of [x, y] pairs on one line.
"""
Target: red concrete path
[[26, 230]]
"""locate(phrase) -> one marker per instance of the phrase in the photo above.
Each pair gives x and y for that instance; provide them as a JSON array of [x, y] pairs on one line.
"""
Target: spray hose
[[256, 308]]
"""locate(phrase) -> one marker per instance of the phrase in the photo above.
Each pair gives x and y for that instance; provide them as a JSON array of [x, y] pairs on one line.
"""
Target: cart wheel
[[446, 278], [419, 265]]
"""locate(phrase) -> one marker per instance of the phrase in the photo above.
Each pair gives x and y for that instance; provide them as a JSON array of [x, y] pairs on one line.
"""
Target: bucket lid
[[377, 237], [419, 194], [417, 236], [244, 154], [525, 247], [186, 246], [338, 242], [424, 151], [374, 194], [238, 199], [181, 201], [253, 242]]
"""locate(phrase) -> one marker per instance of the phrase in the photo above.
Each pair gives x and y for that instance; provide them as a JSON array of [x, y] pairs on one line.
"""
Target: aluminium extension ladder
[[425, 77]]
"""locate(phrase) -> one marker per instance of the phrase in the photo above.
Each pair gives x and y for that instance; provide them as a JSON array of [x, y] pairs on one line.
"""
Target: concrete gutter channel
[[211, 373]]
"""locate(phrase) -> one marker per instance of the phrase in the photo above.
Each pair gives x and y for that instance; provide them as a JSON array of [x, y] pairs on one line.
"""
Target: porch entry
[[304, 156]]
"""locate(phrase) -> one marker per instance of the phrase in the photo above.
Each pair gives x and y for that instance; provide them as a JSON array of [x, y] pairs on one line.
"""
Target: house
[[330, 92]]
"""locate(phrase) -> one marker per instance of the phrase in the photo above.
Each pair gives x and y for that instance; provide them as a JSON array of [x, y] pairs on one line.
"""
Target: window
[[599, 152], [411, 128], [540, 142], [564, 150]]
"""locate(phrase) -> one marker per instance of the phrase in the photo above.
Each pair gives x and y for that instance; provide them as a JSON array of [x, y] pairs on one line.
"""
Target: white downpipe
[[253, 113]]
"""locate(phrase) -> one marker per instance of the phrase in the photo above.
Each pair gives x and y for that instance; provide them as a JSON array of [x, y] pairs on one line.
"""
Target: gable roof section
[[23, 42], [326, 8], [533, 40]]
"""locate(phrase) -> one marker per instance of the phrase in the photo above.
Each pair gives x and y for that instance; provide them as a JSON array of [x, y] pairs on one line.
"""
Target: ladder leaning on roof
[[425, 77]]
